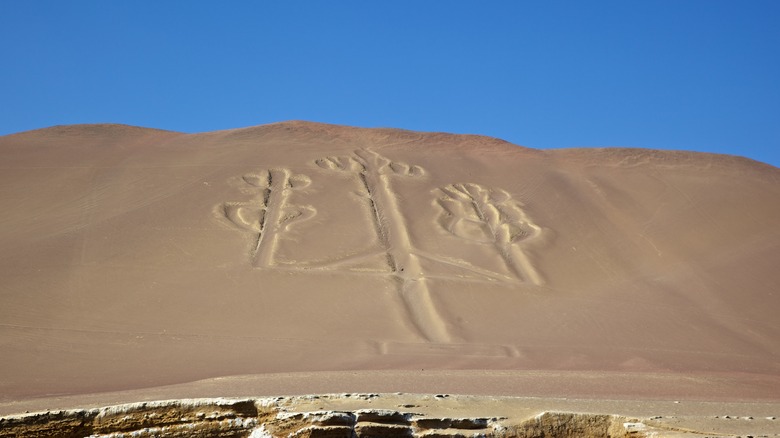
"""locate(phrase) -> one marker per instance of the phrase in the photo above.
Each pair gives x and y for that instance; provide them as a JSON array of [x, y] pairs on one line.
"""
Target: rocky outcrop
[[186, 418], [279, 417]]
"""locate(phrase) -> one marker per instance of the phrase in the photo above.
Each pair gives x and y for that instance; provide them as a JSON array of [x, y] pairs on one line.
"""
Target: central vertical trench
[[269, 228], [405, 266], [379, 226]]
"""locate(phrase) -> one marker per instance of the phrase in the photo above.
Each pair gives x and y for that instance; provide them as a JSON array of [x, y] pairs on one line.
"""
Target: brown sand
[[297, 257]]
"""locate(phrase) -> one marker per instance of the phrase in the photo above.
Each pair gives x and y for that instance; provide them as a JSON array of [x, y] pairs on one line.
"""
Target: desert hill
[[138, 258]]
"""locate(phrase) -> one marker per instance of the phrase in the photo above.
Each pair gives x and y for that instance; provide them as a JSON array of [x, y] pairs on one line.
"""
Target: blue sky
[[683, 74]]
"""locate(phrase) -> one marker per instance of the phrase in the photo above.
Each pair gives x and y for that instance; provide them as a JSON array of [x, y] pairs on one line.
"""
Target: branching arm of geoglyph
[[476, 213], [269, 214], [373, 171]]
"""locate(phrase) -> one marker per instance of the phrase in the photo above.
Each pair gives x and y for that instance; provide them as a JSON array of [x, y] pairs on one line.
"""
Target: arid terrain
[[297, 258]]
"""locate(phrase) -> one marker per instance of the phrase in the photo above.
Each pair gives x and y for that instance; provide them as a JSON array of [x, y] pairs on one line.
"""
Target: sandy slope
[[137, 258]]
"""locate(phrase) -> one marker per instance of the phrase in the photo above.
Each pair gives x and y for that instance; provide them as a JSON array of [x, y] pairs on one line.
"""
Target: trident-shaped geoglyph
[[469, 211]]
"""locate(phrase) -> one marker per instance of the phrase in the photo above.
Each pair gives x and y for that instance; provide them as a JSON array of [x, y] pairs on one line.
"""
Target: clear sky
[[671, 74]]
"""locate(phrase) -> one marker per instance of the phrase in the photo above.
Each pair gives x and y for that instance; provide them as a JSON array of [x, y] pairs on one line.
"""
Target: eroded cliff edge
[[354, 415]]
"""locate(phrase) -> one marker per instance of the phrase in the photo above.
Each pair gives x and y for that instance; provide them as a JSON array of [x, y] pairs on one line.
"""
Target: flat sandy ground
[[300, 258]]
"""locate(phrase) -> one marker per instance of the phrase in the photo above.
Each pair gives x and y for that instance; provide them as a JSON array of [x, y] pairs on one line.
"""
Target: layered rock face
[[277, 417], [399, 415]]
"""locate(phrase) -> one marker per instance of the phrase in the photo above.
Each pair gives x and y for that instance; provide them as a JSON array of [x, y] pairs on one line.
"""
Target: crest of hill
[[93, 130], [106, 134], [304, 131], [633, 157], [102, 136]]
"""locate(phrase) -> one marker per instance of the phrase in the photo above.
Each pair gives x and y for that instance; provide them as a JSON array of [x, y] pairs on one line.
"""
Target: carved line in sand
[[469, 211], [374, 171], [490, 216], [269, 214]]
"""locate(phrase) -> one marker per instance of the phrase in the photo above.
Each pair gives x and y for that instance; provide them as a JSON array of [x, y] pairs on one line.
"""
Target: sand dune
[[138, 258]]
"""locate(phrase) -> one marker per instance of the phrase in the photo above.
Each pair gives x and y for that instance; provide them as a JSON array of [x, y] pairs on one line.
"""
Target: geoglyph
[[468, 211]]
